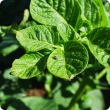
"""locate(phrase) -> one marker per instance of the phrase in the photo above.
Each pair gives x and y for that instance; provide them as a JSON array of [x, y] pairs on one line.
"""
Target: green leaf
[[33, 103], [69, 62], [57, 13], [6, 30], [90, 11], [7, 75], [29, 65], [48, 83], [6, 99], [86, 25], [25, 18], [66, 31], [97, 100], [1, 31], [76, 107], [30, 23], [98, 42], [86, 102], [8, 44], [60, 99], [6, 51], [36, 38], [51, 11], [102, 12]]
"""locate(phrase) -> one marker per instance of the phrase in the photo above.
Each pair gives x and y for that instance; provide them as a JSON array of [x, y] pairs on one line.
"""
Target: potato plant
[[70, 40]]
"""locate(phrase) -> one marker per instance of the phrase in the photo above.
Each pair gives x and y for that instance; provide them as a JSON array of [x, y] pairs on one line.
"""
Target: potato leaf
[[69, 62], [98, 41], [36, 38], [90, 11], [97, 100], [29, 65], [33, 103], [58, 13]]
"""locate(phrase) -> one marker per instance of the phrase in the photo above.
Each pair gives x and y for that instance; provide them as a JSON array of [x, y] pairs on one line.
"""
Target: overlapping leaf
[[99, 44], [57, 13], [69, 62], [29, 65], [90, 11], [36, 38], [104, 19]]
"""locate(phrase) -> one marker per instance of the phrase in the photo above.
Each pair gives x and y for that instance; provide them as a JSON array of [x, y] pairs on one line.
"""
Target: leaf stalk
[[78, 95], [101, 74]]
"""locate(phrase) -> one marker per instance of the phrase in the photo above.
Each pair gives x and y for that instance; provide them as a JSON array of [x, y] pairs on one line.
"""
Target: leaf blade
[[31, 103], [27, 66], [36, 38], [58, 13], [98, 41], [90, 11], [69, 62]]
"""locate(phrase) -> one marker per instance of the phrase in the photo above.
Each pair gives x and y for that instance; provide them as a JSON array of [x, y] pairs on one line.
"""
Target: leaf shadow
[[18, 105]]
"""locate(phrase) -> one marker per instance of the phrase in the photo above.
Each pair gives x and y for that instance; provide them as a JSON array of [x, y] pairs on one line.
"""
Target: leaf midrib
[[41, 42]]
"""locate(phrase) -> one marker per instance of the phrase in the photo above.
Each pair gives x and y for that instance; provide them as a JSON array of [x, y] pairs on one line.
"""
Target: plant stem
[[82, 89], [102, 73], [78, 95]]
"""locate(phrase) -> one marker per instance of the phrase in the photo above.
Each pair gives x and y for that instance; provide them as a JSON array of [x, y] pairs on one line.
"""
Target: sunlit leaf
[[69, 62]]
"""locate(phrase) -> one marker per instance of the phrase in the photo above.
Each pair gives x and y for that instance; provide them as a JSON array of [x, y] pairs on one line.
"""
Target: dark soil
[[36, 92]]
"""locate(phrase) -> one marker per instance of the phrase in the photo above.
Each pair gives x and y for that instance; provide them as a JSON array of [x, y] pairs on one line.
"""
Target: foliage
[[66, 47]]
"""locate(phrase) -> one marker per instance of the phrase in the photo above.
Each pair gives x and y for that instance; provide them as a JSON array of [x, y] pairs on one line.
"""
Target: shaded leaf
[[96, 96], [7, 75], [85, 102], [33, 103], [8, 45], [30, 23], [6, 51], [61, 100]]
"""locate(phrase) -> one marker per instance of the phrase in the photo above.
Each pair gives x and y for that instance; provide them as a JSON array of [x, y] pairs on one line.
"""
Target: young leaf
[[57, 13], [36, 38], [99, 44], [25, 18], [28, 65], [90, 11], [69, 62]]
